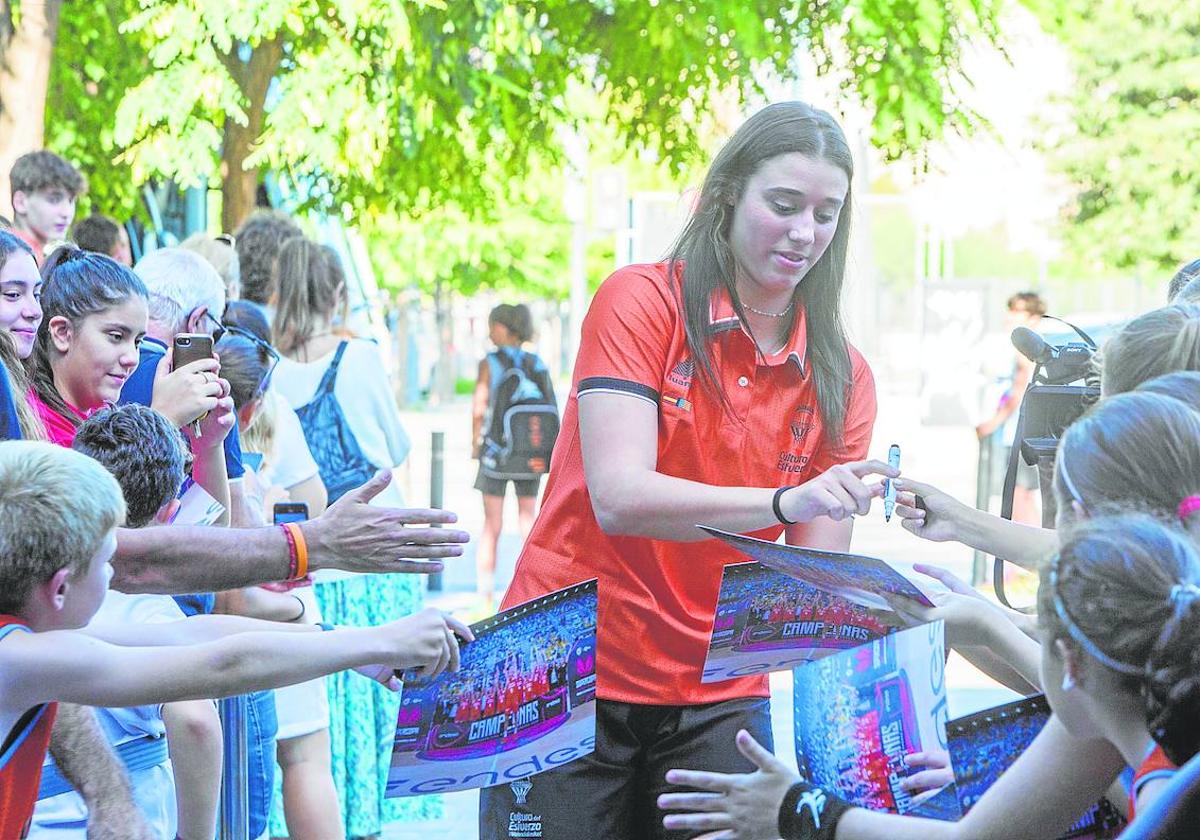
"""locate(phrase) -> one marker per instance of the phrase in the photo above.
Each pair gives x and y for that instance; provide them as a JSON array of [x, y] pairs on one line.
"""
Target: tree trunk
[[239, 185], [25, 54]]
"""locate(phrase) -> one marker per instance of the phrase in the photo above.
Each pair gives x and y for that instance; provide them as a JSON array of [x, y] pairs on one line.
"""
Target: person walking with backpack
[[341, 393], [514, 426]]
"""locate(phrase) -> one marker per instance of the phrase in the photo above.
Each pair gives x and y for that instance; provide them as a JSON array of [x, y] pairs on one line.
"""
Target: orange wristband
[[297, 541]]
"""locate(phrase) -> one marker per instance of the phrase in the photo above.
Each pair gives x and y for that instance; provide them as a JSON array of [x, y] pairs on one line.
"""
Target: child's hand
[[737, 806], [385, 675], [938, 772], [215, 426], [185, 394], [938, 516], [964, 610], [426, 642]]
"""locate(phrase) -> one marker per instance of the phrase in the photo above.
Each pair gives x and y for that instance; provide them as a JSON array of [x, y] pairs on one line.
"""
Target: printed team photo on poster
[[523, 701], [767, 621], [859, 712], [985, 744], [856, 577]]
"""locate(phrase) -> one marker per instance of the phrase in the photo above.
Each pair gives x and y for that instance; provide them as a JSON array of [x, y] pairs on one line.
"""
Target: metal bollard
[[983, 498], [235, 799], [437, 473]]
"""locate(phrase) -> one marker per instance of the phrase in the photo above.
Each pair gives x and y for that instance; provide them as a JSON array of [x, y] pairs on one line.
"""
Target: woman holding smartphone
[[717, 387]]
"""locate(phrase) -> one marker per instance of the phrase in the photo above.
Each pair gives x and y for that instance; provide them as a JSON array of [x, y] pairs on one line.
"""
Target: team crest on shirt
[[681, 375], [802, 423]]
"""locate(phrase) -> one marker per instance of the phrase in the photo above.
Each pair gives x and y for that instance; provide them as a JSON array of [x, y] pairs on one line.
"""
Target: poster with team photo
[[856, 577], [859, 712], [767, 621], [523, 701], [983, 745]]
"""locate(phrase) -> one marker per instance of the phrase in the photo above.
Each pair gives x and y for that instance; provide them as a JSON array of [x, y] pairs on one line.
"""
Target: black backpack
[[522, 420]]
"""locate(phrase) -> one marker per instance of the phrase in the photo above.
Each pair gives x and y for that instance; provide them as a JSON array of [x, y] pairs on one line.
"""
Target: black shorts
[[612, 792], [496, 486]]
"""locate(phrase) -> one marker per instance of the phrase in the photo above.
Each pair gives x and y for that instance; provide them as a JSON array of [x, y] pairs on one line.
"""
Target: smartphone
[[191, 347], [290, 512]]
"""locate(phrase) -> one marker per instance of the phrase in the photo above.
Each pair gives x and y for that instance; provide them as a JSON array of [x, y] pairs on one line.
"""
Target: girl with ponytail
[[95, 314], [1119, 607]]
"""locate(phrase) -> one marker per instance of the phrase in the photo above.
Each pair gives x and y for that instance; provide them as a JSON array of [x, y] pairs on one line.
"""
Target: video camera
[[1051, 403]]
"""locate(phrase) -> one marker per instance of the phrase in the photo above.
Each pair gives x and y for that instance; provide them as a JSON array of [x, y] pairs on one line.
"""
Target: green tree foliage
[[1131, 154], [400, 105], [94, 66]]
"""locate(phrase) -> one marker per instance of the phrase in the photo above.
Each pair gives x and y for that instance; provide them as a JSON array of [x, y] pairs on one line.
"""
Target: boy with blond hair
[[59, 511]]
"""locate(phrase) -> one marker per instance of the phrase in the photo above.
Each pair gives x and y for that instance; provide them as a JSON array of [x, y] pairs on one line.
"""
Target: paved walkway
[[945, 456]]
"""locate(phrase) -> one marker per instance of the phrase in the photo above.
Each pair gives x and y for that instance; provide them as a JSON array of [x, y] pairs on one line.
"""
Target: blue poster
[[767, 621], [859, 712], [523, 701], [985, 744]]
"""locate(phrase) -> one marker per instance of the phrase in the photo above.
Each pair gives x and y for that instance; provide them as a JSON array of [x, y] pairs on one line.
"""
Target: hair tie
[[1188, 506], [1183, 594]]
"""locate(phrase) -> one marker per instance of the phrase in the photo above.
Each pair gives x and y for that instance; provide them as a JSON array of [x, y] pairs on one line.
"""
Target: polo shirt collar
[[722, 318]]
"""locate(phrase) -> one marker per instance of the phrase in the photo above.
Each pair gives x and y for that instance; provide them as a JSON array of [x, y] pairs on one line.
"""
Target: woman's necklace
[[782, 314]]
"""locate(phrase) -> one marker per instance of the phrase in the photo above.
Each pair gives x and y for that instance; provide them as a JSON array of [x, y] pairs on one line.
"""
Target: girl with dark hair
[[95, 314], [716, 387], [509, 327]]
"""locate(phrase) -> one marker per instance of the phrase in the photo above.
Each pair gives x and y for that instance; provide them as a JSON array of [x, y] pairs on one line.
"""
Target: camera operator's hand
[[354, 536], [938, 517], [838, 493]]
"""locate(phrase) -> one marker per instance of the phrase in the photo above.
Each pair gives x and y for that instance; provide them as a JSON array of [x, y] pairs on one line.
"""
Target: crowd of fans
[[105, 435], [289, 408]]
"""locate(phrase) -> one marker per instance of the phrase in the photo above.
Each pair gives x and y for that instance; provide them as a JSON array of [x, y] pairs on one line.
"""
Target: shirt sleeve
[[860, 418], [626, 335]]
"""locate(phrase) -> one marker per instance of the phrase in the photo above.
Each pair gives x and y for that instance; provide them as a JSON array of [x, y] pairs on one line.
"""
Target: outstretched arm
[[619, 438], [71, 666], [1055, 781], [351, 535], [941, 518]]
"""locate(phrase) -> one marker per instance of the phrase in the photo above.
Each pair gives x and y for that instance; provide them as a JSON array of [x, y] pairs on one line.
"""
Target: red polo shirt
[[657, 597]]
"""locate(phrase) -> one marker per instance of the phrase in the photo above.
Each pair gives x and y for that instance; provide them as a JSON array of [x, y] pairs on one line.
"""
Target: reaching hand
[[185, 394], [938, 774], [733, 806], [357, 537], [426, 642], [838, 493], [963, 609], [927, 512], [214, 426]]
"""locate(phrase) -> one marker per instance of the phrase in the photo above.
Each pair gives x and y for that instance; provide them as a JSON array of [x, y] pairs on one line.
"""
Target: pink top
[[59, 428]]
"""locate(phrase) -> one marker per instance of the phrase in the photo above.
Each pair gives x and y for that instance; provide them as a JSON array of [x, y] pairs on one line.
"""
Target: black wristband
[[775, 504], [809, 813]]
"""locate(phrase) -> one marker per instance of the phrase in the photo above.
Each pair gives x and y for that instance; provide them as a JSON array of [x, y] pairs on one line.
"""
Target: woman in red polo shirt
[[716, 388]]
